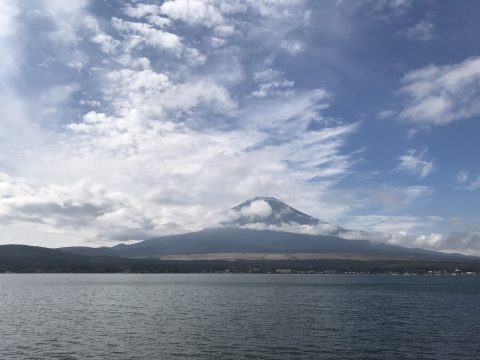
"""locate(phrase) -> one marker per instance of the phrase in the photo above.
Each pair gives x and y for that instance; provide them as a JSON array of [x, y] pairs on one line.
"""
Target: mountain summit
[[269, 211]]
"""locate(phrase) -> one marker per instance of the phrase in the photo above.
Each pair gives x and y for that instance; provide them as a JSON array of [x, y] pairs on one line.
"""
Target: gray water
[[67, 316]]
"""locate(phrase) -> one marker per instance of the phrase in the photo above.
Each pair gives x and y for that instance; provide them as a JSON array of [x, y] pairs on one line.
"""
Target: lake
[[234, 316]]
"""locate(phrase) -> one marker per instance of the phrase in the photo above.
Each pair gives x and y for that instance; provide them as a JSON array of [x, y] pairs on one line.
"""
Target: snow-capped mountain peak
[[269, 211]]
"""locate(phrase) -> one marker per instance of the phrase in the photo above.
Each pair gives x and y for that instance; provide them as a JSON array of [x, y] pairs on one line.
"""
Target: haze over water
[[120, 316]]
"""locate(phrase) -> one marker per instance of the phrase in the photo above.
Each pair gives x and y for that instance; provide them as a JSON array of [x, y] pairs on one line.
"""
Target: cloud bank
[[126, 120], [160, 141]]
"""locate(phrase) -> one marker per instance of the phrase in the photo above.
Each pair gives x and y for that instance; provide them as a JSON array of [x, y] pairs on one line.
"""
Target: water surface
[[231, 316]]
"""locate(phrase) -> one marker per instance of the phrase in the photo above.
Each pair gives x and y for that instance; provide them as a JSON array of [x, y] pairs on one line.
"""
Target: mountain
[[256, 229], [245, 242]]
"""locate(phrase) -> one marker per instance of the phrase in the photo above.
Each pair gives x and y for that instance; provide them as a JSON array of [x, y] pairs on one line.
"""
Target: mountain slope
[[88, 251], [238, 240]]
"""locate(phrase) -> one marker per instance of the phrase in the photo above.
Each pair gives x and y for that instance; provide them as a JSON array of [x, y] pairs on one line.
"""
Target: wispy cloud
[[412, 231], [389, 10], [475, 184], [416, 163], [395, 225], [462, 176], [467, 182], [424, 30]]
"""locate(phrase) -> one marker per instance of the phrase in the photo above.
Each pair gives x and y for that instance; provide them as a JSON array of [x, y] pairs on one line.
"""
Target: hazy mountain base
[[280, 256], [229, 240], [30, 259]]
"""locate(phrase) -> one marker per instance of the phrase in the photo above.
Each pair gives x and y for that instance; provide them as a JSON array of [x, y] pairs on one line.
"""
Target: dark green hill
[[28, 259], [23, 258]]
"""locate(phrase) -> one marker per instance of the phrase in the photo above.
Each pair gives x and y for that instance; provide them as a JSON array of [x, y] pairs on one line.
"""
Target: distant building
[[283, 271]]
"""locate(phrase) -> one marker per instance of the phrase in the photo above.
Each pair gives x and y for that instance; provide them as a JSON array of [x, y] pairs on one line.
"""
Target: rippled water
[[67, 316]]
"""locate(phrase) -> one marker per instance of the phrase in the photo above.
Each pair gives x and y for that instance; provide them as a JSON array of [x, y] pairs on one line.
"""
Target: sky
[[123, 120]]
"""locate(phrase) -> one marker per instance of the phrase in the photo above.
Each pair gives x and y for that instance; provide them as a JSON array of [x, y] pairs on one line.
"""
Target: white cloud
[[25, 116], [150, 12], [467, 182], [8, 12], [270, 82], [389, 10], [320, 229], [413, 232], [474, 185], [76, 207], [107, 43], [259, 208], [193, 12], [141, 10], [462, 176], [152, 93], [438, 95], [385, 114], [389, 224], [293, 47], [422, 31], [280, 9], [138, 33], [416, 163], [68, 20], [224, 30], [466, 243], [8, 62]]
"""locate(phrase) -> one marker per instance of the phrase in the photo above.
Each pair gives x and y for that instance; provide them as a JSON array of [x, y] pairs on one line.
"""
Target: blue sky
[[127, 119]]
